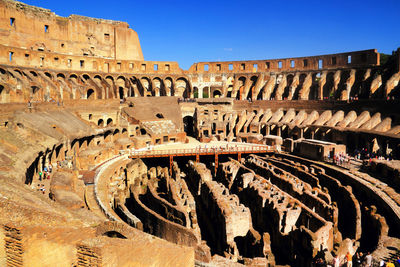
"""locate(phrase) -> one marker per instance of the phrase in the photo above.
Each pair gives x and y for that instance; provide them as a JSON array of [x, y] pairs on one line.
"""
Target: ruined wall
[[332, 61], [17, 56], [35, 28]]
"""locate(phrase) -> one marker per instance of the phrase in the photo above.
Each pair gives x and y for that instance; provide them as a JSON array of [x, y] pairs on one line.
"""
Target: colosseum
[[110, 160]]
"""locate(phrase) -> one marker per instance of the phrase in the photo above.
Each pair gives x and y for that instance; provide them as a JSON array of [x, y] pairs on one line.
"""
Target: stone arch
[[182, 87], [302, 78], [121, 92], [313, 93], [18, 71], [36, 93], [169, 86], [241, 84], [345, 74], [86, 77], [100, 122], [61, 75], [289, 80], [229, 86], [73, 76], [159, 87], [110, 81], [195, 92], [217, 93], [145, 83], [118, 229], [206, 92], [48, 74], [250, 94], [328, 87], [109, 122], [90, 94], [188, 124], [34, 73], [135, 88]]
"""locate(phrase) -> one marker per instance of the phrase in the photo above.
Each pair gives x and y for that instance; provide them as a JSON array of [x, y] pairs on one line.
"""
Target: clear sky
[[222, 30]]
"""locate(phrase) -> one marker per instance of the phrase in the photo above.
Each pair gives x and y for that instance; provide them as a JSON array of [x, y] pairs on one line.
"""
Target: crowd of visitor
[[357, 260]]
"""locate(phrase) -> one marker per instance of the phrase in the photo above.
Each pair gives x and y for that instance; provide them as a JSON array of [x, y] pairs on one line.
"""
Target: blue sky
[[206, 30]]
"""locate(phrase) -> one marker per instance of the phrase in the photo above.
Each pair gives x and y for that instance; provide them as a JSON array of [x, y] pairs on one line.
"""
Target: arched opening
[[35, 89], [327, 89], [217, 94], [195, 92], [143, 131], [289, 80], [253, 80], [160, 116], [109, 122], [182, 88], [189, 125], [90, 94], [114, 234], [169, 88], [158, 87], [48, 75], [34, 73], [100, 122], [60, 75], [242, 82], [206, 92], [121, 92], [146, 86]]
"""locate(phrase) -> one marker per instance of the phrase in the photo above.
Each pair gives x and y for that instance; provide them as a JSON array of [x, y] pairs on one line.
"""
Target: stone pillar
[[279, 131]]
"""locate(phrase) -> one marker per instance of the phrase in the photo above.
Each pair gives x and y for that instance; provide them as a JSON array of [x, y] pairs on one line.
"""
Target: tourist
[[40, 176], [368, 260], [390, 264], [349, 259], [336, 261], [357, 260], [320, 262]]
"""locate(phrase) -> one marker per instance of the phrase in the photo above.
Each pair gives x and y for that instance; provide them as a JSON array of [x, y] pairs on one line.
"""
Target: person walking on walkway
[[368, 260], [349, 259]]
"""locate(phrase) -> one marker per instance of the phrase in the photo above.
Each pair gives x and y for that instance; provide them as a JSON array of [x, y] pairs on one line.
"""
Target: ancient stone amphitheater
[[110, 160]]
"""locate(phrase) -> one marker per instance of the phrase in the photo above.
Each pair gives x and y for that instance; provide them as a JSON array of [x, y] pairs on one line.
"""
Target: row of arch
[[307, 85]]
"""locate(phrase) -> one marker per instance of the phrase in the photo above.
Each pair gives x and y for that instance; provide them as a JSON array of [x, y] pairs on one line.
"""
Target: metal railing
[[202, 150]]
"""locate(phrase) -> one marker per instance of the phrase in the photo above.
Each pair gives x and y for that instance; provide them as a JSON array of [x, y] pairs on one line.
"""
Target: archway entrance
[[188, 125]]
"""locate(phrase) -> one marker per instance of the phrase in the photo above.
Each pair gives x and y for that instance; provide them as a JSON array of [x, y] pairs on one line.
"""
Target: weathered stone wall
[[35, 28], [357, 58]]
